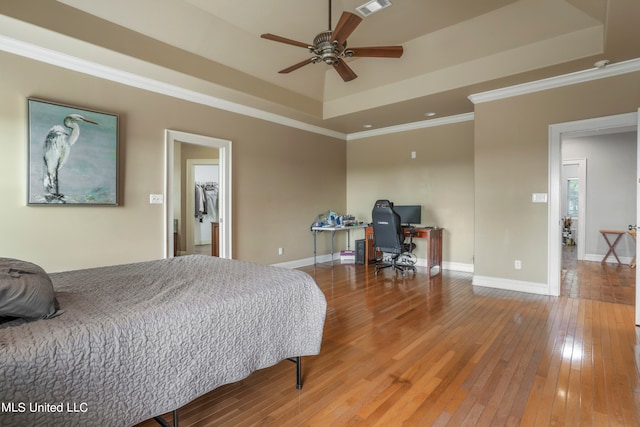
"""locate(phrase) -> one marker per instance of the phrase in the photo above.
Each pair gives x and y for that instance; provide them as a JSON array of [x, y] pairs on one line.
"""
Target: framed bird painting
[[73, 155]]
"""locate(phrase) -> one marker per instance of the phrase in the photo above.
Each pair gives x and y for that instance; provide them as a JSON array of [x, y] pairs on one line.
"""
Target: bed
[[134, 341]]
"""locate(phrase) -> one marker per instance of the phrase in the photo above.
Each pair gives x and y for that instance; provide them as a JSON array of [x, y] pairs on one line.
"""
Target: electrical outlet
[[280, 251], [518, 264], [156, 199]]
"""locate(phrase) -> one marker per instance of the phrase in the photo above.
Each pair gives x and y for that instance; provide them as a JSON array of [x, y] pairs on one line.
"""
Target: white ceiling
[[452, 48]]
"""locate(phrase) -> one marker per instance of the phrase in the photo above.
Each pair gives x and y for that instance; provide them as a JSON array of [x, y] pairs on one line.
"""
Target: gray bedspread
[[140, 340]]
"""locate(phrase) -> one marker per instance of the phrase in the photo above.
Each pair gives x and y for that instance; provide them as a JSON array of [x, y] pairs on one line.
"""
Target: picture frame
[[72, 155]]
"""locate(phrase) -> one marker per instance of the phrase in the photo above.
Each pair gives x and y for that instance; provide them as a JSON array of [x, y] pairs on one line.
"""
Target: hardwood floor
[[437, 351], [596, 281]]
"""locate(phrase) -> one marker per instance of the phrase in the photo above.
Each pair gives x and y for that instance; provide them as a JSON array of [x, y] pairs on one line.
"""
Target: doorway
[[557, 132], [201, 207], [173, 138]]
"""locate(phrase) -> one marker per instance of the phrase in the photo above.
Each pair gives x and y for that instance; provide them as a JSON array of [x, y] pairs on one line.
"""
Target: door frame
[[554, 227], [582, 202], [190, 198], [638, 214], [224, 202]]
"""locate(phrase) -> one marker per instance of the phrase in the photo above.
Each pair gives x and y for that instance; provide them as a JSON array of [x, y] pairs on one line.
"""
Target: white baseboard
[[306, 261], [610, 259], [511, 285], [457, 266], [421, 262]]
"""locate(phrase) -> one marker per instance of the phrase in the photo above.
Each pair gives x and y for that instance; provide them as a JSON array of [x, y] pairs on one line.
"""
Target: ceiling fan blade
[[285, 40], [347, 23], [377, 51], [296, 66], [345, 71]]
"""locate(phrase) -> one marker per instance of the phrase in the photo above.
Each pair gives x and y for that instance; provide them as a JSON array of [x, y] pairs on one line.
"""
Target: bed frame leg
[[163, 423], [298, 362]]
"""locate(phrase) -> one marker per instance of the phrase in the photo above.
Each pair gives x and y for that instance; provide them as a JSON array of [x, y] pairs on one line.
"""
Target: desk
[[333, 230], [612, 246], [434, 244]]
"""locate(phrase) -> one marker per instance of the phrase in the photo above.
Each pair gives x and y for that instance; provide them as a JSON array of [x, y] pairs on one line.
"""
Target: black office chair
[[389, 238]]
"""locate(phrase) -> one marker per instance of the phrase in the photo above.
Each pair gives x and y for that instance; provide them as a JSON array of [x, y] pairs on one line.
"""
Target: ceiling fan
[[330, 47]]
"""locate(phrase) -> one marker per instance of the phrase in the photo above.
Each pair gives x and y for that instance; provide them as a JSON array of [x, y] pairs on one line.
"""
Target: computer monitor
[[409, 214]]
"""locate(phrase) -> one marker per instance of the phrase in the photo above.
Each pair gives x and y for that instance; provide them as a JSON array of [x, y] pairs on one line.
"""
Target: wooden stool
[[619, 234], [632, 233]]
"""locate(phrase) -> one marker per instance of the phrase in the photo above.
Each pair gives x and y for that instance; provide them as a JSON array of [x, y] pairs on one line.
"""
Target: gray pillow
[[26, 290]]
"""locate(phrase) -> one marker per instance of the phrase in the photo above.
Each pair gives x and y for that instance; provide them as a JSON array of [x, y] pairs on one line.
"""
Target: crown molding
[[74, 63], [412, 126], [611, 70]]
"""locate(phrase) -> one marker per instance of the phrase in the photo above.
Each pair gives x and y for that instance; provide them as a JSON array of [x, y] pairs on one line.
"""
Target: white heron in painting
[[57, 146]]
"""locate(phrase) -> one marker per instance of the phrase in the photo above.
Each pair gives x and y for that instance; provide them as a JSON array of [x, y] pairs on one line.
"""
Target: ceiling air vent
[[372, 7]]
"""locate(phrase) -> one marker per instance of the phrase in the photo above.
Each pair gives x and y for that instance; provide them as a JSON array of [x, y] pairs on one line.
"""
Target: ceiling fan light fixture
[[372, 6], [327, 51]]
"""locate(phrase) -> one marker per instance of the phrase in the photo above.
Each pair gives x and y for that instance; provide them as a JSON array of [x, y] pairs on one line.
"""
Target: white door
[[638, 220]]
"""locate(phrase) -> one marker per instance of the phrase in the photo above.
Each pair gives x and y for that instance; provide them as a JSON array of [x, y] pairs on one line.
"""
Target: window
[[573, 184]]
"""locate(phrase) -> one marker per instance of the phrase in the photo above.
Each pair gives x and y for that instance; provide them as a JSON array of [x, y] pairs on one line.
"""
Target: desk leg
[[315, 233], [333, 233], [611, 248]]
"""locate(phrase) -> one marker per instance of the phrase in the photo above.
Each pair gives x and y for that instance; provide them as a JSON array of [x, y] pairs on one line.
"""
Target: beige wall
[[282, 177], [440, 179], [511, 163], [474, 178]]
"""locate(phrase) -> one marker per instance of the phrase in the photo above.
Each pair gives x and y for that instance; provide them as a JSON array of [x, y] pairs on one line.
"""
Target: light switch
[[539, 197]]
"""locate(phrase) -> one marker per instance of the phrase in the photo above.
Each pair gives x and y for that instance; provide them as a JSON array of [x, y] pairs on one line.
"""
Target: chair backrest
[[387, 230]]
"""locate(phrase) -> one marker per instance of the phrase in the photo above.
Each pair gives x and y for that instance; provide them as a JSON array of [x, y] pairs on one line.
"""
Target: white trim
[[411, 126], [69, 62], [303, 262], [453, 266], [421, 264], [637, 212], [626, 260], [73, 63], [225, 162], [458, 266], [619, 68], [582, 203], [554, 224], [510, 285]]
